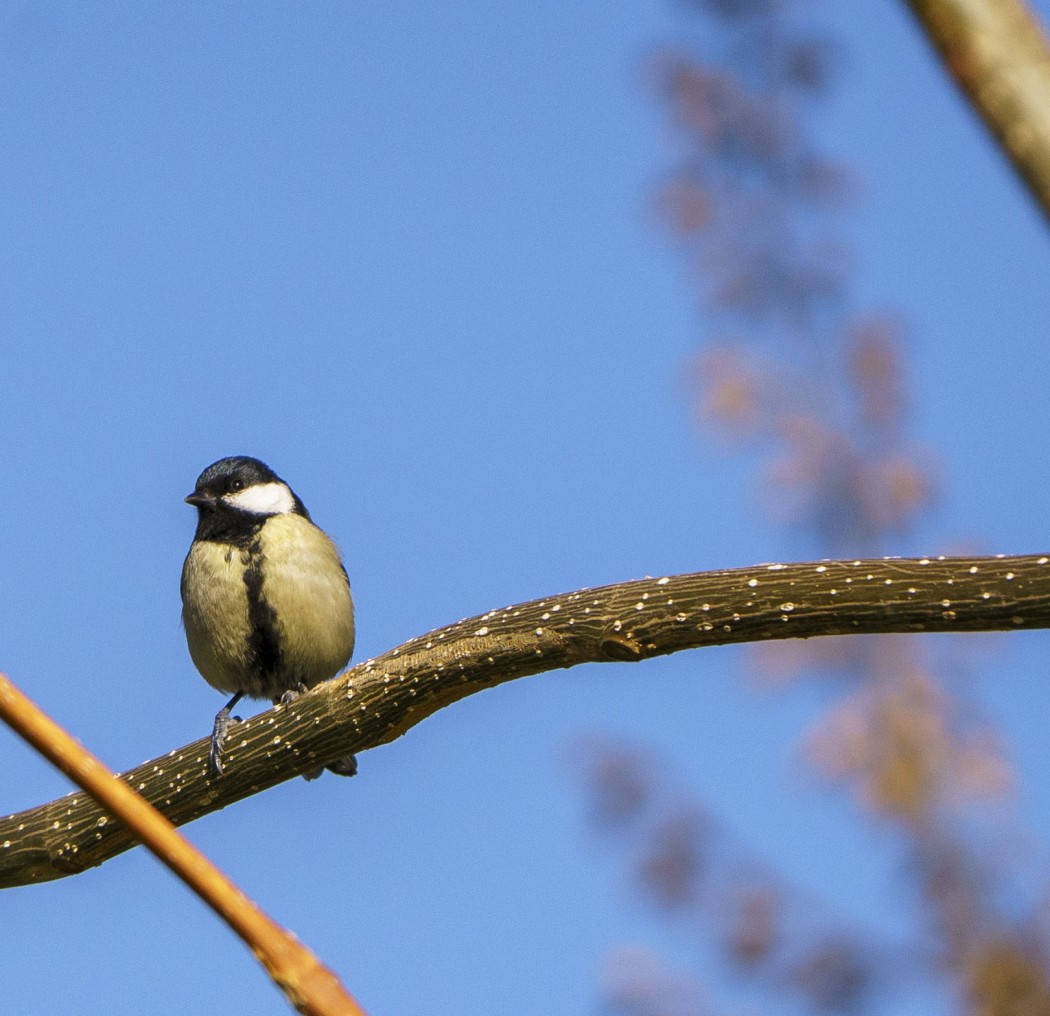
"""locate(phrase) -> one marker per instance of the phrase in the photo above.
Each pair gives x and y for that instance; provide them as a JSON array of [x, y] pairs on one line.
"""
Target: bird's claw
[[218, 735], [291, 695], [215, 759]]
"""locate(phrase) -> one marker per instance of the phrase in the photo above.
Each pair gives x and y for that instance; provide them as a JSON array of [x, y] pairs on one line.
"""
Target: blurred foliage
[[816, 393]]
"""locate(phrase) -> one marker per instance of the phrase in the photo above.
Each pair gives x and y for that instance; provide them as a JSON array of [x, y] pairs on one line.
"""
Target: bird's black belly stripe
[[264, 641]]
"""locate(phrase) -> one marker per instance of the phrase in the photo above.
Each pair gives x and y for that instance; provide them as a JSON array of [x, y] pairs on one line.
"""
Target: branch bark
[[999, 56], [378, 700]]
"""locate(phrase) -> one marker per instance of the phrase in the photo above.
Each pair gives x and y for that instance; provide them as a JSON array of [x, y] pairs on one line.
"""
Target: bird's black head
[[237, 494], [229, 475]]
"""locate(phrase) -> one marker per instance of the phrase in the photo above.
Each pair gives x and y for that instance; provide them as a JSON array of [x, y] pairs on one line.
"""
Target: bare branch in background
[[999, 55], [307, 983], [813, 389]]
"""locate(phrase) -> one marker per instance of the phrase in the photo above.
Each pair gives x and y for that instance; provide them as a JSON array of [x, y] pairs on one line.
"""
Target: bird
[[266, 602]]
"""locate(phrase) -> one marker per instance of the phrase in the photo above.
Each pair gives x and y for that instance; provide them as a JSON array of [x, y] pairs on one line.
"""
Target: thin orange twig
[[310, 986]]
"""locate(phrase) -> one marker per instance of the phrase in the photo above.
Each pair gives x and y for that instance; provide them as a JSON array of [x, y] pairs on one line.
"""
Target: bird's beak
[[200, 500]]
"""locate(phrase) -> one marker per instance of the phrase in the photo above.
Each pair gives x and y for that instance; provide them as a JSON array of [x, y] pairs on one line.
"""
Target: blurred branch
[[999, 55], [311, 987], [378, 700]]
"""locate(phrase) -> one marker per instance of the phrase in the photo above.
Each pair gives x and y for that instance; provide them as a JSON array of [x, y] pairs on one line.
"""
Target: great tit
[[265, 597]]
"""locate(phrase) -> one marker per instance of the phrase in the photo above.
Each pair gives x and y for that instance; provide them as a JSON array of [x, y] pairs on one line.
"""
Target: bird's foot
[[290, 695], [341, 767], [218, 735]]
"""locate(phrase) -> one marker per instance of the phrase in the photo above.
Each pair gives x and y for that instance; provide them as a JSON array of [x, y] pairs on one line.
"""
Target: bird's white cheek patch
[[263, 499]]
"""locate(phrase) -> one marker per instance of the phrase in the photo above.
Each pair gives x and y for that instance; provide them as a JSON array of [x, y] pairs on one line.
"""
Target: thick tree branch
[[380, 699], [999, 56]]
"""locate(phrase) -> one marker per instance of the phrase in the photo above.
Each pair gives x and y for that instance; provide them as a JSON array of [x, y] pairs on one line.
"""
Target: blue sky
[[401, 253]]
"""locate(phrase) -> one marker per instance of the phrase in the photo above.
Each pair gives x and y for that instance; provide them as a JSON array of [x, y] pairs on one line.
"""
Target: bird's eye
[[237, 485]]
